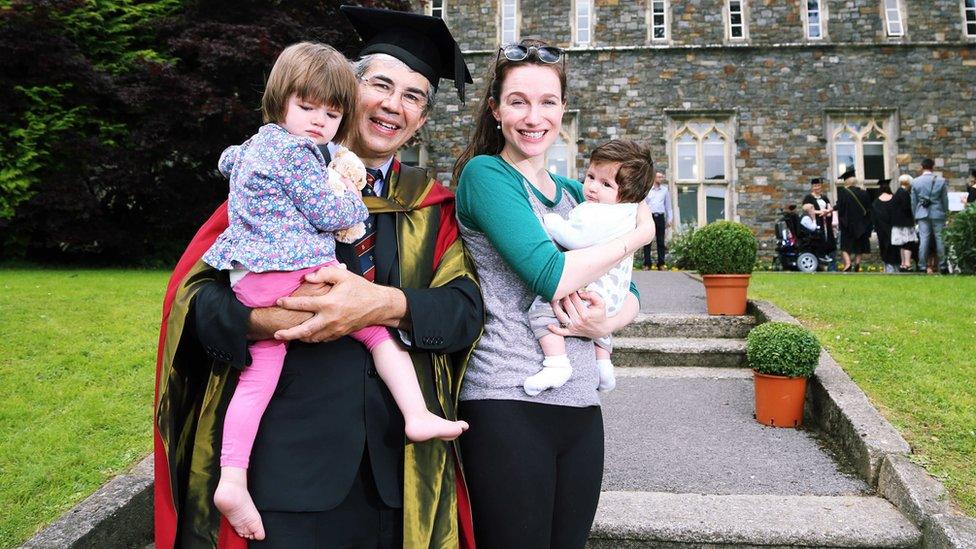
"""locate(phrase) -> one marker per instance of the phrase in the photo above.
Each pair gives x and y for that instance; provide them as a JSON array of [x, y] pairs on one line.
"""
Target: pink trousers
[[257, 382]]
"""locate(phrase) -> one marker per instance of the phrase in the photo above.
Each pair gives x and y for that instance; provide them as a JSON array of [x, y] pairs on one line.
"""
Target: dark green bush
[[679, 248], [960, 239], [782, 349], [724, 247]]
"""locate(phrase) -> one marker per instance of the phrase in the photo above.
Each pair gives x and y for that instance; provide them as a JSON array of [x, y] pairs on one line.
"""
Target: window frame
[[569, 133], [899, 8], [744, 12], [516, 21], [430, 10], [884, 123], [666, 13], [700, 126], [966, 12], [822, 19], [576, 20]]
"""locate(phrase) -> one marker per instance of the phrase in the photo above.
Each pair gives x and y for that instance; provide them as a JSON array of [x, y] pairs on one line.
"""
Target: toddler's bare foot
[[234, 502], [425, 426]]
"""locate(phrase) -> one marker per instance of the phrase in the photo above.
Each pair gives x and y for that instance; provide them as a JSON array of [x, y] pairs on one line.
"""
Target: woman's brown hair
[[316, 73], [487, 137]]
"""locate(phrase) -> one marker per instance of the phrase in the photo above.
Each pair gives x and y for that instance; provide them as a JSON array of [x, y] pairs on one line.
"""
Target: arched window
[[702, 163], [659, 21]]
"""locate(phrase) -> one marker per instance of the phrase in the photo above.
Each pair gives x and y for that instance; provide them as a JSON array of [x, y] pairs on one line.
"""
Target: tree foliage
[[117, 110]]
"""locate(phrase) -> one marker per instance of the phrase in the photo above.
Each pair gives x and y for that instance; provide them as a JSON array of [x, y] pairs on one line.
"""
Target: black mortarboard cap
[[423, 42], [972, 172], [882, 181], [816, 181], [847, 174]]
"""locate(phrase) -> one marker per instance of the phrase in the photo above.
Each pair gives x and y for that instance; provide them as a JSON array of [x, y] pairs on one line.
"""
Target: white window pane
[[714, 158], [891, 4], [971, 4], [714, 204], [687, 159], [894, 29], [845, 157], [814, 31], [688, 205], [814, 18], [583, 37], [557, 160]]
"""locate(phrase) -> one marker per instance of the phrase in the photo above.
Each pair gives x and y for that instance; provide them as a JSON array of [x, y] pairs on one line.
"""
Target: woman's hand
[[581, 314]]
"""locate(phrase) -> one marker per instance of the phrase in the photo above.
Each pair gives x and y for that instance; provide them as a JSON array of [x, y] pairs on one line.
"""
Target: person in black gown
[[882, 216], [971, 188], [853, 210], [903, 232]]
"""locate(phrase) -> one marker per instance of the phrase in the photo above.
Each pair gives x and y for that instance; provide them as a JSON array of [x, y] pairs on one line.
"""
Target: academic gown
[[882, 214], [824, 224], [853, 210], [330, 403]]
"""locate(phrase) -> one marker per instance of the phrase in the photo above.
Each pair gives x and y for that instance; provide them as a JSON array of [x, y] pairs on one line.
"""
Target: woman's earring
[[498, 127]]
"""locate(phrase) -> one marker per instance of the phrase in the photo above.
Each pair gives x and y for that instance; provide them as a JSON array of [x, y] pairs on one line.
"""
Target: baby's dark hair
[[636, 173]]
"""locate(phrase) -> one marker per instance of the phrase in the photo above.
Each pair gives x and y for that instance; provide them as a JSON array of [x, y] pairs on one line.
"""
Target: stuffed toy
[[345, 164]]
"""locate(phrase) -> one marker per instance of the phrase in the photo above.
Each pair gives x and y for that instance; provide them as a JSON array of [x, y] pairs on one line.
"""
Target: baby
[[618, 178], [286, 210]]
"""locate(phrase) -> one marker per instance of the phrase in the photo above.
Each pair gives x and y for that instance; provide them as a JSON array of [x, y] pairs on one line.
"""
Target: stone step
[[682, 352], [673, 325], [655, 519]]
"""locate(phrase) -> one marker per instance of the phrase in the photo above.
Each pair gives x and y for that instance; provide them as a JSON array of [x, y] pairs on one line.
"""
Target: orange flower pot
[[726, 294], [779, 399]]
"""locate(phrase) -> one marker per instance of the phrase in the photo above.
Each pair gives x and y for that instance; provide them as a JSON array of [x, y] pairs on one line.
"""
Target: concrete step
[[683, 352], [656, 519], [684, 325]]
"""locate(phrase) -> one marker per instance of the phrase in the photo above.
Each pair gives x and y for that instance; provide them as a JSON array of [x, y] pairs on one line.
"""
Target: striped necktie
[[364, 246]]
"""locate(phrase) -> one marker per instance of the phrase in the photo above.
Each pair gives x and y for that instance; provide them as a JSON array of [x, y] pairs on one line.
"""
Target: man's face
[[386, 122], [659, 178]]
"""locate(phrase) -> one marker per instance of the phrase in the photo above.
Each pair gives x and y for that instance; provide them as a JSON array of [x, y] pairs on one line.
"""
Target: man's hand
[[581, 314], [352, 303]]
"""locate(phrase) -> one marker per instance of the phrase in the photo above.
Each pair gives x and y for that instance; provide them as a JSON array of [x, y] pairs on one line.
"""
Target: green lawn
[[910, 343], [77, 356]]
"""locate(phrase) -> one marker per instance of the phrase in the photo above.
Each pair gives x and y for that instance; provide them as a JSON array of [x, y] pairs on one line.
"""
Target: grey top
[[508, 352], [934, 188]]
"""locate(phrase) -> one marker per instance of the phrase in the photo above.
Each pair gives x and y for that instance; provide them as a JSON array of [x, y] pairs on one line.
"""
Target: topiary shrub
[[724, 247], [782, 349], [960, 240]]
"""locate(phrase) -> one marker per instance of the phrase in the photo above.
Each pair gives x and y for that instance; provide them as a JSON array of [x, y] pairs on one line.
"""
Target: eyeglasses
[[519, 52], [411, 100]]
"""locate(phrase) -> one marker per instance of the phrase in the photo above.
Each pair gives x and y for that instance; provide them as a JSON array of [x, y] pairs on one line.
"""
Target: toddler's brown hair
[[636, 172]]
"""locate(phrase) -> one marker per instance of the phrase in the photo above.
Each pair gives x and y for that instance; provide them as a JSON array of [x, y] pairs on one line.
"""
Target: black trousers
[[361, 521], [659, 229], [533, 471]]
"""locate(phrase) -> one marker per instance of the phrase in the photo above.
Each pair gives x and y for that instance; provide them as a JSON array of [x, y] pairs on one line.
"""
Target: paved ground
[[698, 435], [670, 292], [691, 430]]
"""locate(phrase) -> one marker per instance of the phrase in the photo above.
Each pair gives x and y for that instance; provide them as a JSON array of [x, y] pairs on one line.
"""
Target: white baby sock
[[607, 380], [555, 372]]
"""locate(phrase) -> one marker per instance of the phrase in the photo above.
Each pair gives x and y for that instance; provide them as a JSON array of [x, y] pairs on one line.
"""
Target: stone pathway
[[688, 465]]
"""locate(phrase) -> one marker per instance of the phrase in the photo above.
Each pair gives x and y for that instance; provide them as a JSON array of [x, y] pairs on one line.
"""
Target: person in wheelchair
[[800, 242]]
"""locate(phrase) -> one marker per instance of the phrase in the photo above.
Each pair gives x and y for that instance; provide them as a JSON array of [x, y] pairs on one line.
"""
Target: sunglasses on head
[[519, 52]]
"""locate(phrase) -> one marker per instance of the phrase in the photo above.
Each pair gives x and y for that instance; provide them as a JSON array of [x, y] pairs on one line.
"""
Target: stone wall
[[779, 98]]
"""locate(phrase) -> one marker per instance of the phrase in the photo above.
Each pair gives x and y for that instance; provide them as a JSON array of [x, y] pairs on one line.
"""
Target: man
[[659, 200], [328, 467], [930, 202]]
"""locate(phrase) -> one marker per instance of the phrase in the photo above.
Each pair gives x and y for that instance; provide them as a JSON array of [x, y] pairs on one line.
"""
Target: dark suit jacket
[[330, 403]]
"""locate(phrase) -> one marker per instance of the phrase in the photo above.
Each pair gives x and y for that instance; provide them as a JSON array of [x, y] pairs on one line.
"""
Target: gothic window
[[861, 143], [702, 160], [969, 17], [509, 27], [659, 20], [561, 157], [894, 23], [436, 8], [736, 22], [815, 19], [583, 21]]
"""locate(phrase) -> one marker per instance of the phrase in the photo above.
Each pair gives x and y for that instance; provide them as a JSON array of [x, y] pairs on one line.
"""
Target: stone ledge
[[950, 532], [119, 514], [654, 519], [916, 493]]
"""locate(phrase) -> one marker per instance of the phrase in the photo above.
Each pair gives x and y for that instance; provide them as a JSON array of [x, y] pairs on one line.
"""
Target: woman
[[971, 188], [534, 465], [824, 216], [903, 223], [882, 214], [855, 221]]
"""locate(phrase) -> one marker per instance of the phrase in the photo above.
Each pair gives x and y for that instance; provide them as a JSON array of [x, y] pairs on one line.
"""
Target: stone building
[[741, 101]]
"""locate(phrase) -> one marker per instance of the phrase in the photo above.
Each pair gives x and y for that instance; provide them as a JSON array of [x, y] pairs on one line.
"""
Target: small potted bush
[[782, 357], [724, 253], [960, 239]]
